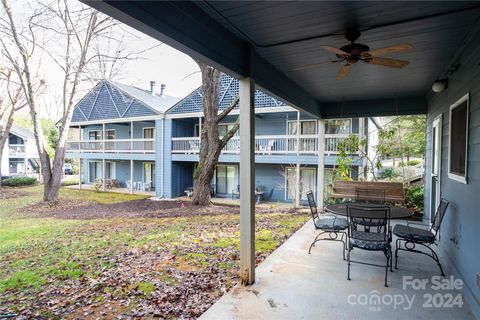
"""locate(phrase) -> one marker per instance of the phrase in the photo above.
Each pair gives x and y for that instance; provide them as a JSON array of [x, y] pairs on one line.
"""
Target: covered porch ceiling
[[269, 40]]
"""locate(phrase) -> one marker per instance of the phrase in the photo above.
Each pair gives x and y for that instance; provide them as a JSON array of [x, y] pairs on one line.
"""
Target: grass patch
[[146, 287]]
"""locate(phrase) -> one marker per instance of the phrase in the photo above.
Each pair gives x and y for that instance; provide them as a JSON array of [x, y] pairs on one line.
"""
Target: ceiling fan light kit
[[355, 52]]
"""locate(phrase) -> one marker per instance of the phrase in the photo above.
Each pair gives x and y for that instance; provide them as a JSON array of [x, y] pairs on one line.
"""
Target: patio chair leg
[[344, 246], [348, 263], [397, 246], [437, 260], [388, 256]]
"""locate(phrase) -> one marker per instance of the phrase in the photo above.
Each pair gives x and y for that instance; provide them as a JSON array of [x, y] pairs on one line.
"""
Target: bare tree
[[74, 31], [11, 101], [211, 143]]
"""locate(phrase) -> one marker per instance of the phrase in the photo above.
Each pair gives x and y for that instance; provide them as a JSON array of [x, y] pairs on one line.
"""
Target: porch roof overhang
[[267, 40]]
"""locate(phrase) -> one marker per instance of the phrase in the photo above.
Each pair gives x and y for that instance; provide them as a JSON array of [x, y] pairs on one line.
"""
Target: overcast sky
[[163, 64]]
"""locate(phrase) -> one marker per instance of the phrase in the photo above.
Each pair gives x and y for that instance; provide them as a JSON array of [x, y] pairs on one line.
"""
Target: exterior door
[[149, 173], [436, 165], [225, 179], [94, 170]]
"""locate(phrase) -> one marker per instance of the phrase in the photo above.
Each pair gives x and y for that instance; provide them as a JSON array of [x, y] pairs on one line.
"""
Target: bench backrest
[[393, 190]]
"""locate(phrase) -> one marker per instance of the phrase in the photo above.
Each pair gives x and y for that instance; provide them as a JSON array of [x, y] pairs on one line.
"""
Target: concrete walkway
[[291, 284]]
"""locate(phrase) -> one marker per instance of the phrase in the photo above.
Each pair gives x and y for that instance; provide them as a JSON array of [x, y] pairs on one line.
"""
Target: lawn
[[172, 261]]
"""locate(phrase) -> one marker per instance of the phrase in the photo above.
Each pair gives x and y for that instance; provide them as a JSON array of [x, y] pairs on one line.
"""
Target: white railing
[[112, 146], [332, 141], [266, 145], [16, 149]]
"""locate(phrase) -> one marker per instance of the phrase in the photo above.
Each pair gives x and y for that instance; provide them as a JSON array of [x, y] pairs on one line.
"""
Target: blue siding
[[462, 219]]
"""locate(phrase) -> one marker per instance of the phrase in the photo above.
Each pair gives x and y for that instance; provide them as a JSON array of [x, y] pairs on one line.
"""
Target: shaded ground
[[118, 260]]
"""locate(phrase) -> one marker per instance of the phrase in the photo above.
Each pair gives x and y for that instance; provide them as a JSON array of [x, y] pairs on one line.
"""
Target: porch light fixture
[[439, 85]]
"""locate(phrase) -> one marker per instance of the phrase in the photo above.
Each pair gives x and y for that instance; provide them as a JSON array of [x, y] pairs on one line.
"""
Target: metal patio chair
[[327, 224], [425, 237], [377, 240], [375, 196]]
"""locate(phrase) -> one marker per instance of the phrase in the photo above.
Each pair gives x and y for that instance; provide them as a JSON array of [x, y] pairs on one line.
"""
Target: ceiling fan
[[355, 52]]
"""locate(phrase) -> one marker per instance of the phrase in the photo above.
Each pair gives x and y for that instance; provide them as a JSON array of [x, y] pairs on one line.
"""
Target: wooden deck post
[[321, 163], [247, 181]]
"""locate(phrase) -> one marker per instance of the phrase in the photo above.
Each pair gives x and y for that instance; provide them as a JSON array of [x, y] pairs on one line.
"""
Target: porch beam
[[247, 181], [373, 108], [321, 163]]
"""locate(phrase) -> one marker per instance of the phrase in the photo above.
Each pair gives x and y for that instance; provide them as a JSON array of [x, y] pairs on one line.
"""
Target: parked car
[[68, 168]]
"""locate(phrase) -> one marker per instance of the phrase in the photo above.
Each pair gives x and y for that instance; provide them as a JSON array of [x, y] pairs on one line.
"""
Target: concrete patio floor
[[291, 284]]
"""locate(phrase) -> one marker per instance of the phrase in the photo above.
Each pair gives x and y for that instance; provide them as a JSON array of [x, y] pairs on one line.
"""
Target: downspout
[[162, 150]]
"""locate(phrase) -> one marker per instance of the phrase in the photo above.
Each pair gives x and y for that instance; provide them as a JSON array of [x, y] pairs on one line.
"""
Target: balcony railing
[[112, 146], [16, 149], [266, 145]]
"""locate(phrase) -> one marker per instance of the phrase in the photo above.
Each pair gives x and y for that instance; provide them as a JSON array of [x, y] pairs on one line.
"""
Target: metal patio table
[[395, 212]]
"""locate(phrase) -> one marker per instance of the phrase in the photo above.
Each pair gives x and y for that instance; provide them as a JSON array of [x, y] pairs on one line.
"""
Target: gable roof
[[21, 132], [112, 100], [229, 90]]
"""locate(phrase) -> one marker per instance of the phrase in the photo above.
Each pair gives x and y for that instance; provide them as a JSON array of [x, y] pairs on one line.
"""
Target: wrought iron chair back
[[312, 205], [437, 220], [362, 216]]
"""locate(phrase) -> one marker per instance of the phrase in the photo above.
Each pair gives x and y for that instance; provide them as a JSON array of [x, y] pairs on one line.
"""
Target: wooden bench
[[346, 189]]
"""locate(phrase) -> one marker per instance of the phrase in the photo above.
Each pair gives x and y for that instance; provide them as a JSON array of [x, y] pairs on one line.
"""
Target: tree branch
[[227, 110]]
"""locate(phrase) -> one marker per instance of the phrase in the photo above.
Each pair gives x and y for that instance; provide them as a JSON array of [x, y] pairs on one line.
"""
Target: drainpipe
[[162, 151]]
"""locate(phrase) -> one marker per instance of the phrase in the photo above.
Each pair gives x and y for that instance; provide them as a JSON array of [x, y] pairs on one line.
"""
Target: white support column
[[80, 173], [247, 181], [131, 176], [297, 185], [321, 163], [298, 133], [103, 174], [361, 135], [25, 164], [200, 129], [80, 138], [131, 139], [103, 137]]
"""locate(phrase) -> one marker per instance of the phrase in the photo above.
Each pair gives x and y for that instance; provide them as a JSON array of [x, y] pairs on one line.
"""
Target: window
[[110, 134], [225, 182], [458, 144], [338, 126], [306, 127], [94, 135], [224, 128], [307, 182]]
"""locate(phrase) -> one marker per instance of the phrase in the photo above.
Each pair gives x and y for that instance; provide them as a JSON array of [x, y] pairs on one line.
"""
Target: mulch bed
[[142, 208], [9, 193]]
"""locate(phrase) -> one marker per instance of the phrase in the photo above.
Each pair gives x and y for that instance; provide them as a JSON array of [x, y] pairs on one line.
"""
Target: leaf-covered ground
[[94, 255]]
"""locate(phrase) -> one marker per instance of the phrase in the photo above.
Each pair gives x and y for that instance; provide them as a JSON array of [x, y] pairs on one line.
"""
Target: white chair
[[129, 184], [147, 186]]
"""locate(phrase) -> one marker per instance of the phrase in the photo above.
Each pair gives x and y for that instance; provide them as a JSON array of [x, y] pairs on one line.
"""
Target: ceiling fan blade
[[393, 63], [315, 65], [343, 71], [386, 50], [337, 51]]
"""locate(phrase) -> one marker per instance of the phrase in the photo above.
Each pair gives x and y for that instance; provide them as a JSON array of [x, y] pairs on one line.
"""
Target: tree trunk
[[3, 140], [210, 143]]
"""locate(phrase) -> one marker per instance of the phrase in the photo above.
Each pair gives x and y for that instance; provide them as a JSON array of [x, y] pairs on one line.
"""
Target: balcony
[[133, 146], [267, 145], [16, 149]]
